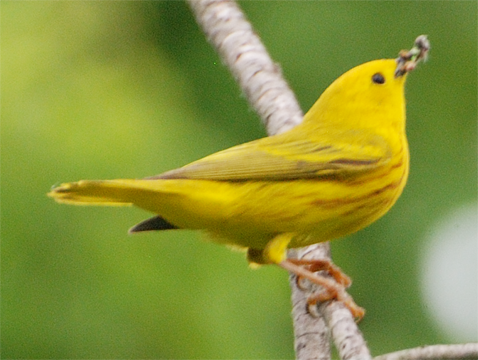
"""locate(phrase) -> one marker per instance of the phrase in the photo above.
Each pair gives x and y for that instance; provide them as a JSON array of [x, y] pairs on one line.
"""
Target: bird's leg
[[314, 265], [275, 252], [332, 289]]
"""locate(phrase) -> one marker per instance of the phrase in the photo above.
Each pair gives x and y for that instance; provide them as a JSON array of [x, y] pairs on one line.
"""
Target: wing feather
[[284, 158]]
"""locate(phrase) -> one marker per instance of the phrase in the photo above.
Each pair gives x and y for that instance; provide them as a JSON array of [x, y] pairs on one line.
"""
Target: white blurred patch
[[450, 274]]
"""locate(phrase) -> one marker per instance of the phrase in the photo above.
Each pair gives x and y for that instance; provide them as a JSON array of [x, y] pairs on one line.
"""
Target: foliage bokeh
[[131, 89]]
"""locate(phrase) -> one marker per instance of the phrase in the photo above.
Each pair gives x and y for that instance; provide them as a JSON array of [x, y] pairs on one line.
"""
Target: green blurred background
[[95, 90]]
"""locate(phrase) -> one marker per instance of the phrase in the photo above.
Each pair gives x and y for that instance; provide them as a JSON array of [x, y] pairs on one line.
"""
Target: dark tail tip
[[155, 223]]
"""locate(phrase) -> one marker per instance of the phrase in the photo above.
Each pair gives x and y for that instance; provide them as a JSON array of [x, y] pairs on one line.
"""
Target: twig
[[244, 54], [459, 351], [344, 331], [347, 337], [311, 334], [261, 80]]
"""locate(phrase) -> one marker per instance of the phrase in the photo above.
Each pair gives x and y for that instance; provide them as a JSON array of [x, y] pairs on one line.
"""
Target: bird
[[337, 172]]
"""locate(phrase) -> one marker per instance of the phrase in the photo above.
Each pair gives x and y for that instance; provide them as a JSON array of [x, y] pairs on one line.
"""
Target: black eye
[[378, 78]]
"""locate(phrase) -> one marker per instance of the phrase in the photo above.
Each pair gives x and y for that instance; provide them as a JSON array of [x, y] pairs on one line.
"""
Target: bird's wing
[[286, 158]]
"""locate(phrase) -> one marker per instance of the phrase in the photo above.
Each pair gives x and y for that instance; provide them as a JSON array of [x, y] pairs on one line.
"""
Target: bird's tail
[[184, 203], [105, 192], [147, 194]]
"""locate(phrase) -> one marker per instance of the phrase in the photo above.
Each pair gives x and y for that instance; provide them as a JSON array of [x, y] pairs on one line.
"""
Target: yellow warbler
[[338, 171]]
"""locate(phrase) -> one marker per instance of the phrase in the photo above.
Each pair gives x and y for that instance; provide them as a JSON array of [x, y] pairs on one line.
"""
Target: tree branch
[[268, 93], [347, 337], [311, 334], [459, 351], [244, 54], [338, 320]]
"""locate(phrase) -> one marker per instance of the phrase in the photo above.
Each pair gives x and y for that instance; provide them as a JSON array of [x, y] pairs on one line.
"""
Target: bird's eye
[[378, 78]]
